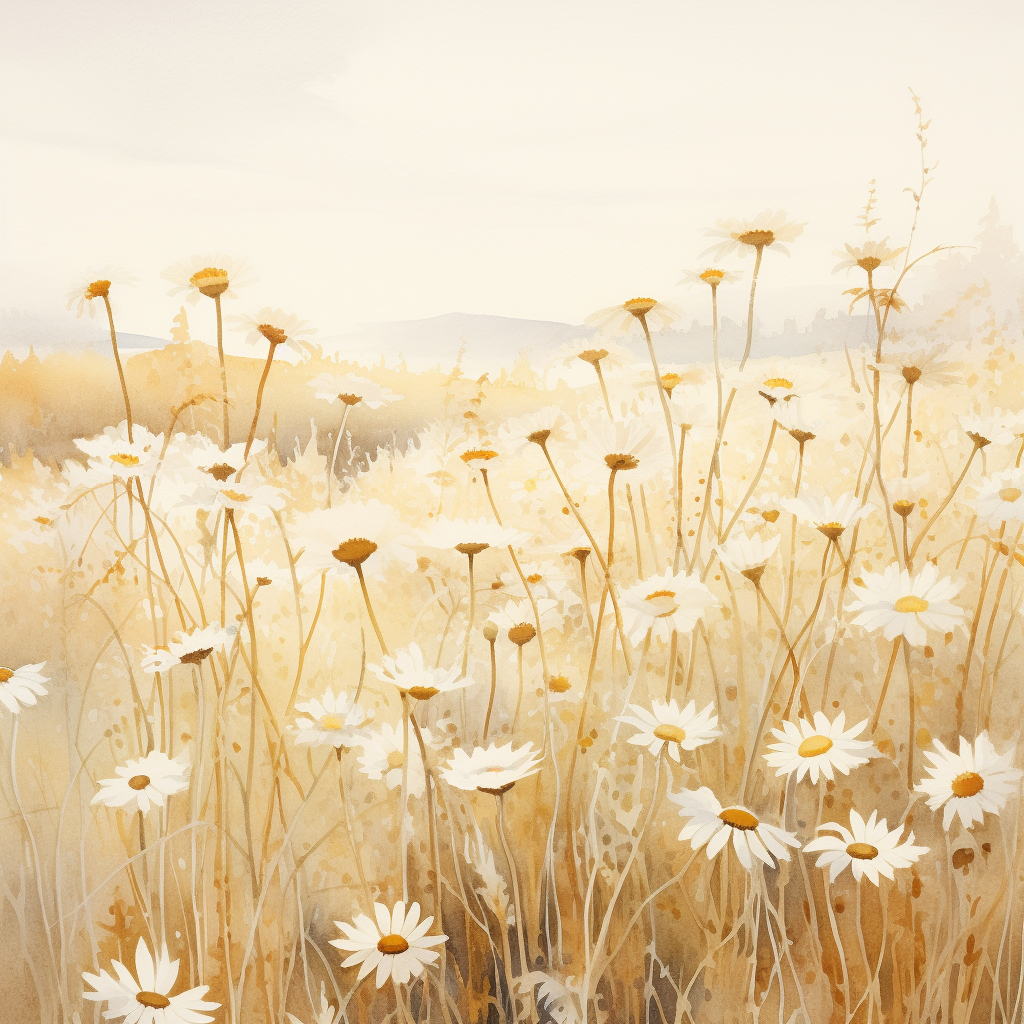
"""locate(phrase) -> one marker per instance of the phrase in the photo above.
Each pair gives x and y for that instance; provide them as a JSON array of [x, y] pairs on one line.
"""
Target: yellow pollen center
[[911, 604], [395, 759], [392, 945], [869, 263], [756, 238], [770, 515], [639, 307], [220, 471], [529, 485], [478, 455], [778, 382], [354, 551], [236, 496], [5, 674], [593, 355], [43, 521], [423, 692], [138, 782], [662, 602], [522, 633], [619, 460], [273, 334], [98, 290], [470, 548], [968, 784], [154, 1000], [712, 277], [670, 733], [1010, 493], [911, 374], [862, 851], [123, 459], [332, 722], [814, 746], [902, 507], [210, 281], [559, 684], [534, 577], [737, 817]]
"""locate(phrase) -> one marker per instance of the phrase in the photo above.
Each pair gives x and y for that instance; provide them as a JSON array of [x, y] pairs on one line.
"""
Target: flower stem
[[259, 397], [120, 368], [369, 610], [750, 307], [334, 456], [490, 699], [885, 684], [226, 434]]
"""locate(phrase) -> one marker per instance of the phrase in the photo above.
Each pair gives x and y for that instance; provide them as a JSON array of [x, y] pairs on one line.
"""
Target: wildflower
[[148, 1000], [347, 535], [830, 518], [601, 356], [712, 276], [396, 945], [469, 537], [258, 500], [351, 390], [969, 783], [517, 618], [188, 649], [869, 256], [665, 726], [96, 286], [905, 605], [665, 604], [113, 457], [144, 782], [480, 458], [213, 275], [202, 454], [747, 554], [408, 672], [547, 425], [618, 321], [712, 825], [767, 230], [494, 769], [868, 848], [629, 446], [1000, 497], [384, 755], [20, 686], [278, 328], [985, 430], [822, 747], [333, 721], [922, 367]]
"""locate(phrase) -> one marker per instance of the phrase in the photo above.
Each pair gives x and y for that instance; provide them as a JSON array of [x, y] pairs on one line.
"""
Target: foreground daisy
[[803, 748], [491, 769], [397, 944], [866, 847], [665, 725], [148, 1000], [145, 782], [409, 673], [1001, 497], [333, 721], [21, 686], [905, 605], [969, 783], [112, 456], [665, 604], [712, 825]]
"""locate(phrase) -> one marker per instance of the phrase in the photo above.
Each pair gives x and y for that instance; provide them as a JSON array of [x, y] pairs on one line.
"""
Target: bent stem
[[490, 699], [499, 800], [750, 307], [331, 469], [259, 398], [120, 368], [369, 610]]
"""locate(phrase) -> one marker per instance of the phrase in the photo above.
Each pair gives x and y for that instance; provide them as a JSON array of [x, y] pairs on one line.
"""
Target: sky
[[393, 161]]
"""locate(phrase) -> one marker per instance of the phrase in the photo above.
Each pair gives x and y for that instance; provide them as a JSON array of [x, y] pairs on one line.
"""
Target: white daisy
[[665, 725], [347, 535], [713, 825], [618, 321], [384, 755], [1000, 497], [210, 274], [469, 536], [767, 230], [829, 517], [113, 457], [969, 783], [805, 748], [145, 782], [921, 367], [493, 769], [665, 603], [188, 649], [483, 457], [96, 286], [409, 673], [245, 499], [517, 620], [21, 686], [549, 425], [985, 430], [333, 721], [747, 554], [397, 945], [629, 446], [278, 328], [868, 848], [200, 453], [351, 389], [711, 276], [905, 605], [148, 1000]]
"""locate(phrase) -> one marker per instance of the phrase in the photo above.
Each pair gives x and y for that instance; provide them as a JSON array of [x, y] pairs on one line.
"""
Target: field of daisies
[[669, 692]]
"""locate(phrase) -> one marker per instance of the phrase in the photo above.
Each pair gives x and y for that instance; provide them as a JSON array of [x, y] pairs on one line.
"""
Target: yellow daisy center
[[968, 784], [355, 551], [911, 374], [559, 684], [534, 577], [478, 455], [737, 817], [869, 262], [862, 851], [756, 237], [712, 277], [392, 945], [522, 633], [910, 603], [902, 507], [529, 485], [125, 459], [832, 530], [814, 746], [220, 471], [351, 399], [770, 515], [138, 782], [662, 603], [332, 722], [1010, 493], [273, 334], [620, 460], [639, 307], [593, 355], [471, 548], [538, 436], [210, 281], [5, 674], [43, 521], [98, 290], [395, 759], [154, 1000], [195, 657], [236, 496], [778, 382], [670, 733], [423, 692]]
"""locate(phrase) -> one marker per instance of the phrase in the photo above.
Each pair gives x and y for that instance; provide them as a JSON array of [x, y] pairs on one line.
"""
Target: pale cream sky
[[385, 161]]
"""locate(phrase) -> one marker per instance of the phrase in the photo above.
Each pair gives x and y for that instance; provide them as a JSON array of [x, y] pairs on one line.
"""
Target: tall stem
[[514, 875], [472, 612], [120, 369], [750, 307], [259, 397], [490, 699], [611, 516], [369, 611], [885, 684], [906, 440], [226, 435], [331, 469]]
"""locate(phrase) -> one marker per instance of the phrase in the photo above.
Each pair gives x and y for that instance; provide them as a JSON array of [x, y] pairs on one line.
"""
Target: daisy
[[277, 327], [767, 230], [629, 446], [905, 605], [712, 276], [765, 509], [570, 363], [333, 721], [408, 672], [866, 847], [984, 430], [384, 755], [921, 367], [618, 321], [747, 554], [469, 536], [483, 458], [347, 535], [712, 825], [148, 1000], [351, 390], [666, 726], [869, 256], [96, 286], [1000, 497], [212, 275], [969, 783], [188, 649], [202, 454], [145, 782], [547, 425], [517, 618], [804, 748], [493, 769], [258, 500], [21, 686], [828, 517], [113, 457], [396, 945], [665, 604]]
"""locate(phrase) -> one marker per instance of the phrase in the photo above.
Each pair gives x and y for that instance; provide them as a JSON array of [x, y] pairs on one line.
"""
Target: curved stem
[[906, 439], [514, 875], [120, 368], [750, 307], [611, 517], [334, 457], [259, 398], [369, 610], [490, 699]]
